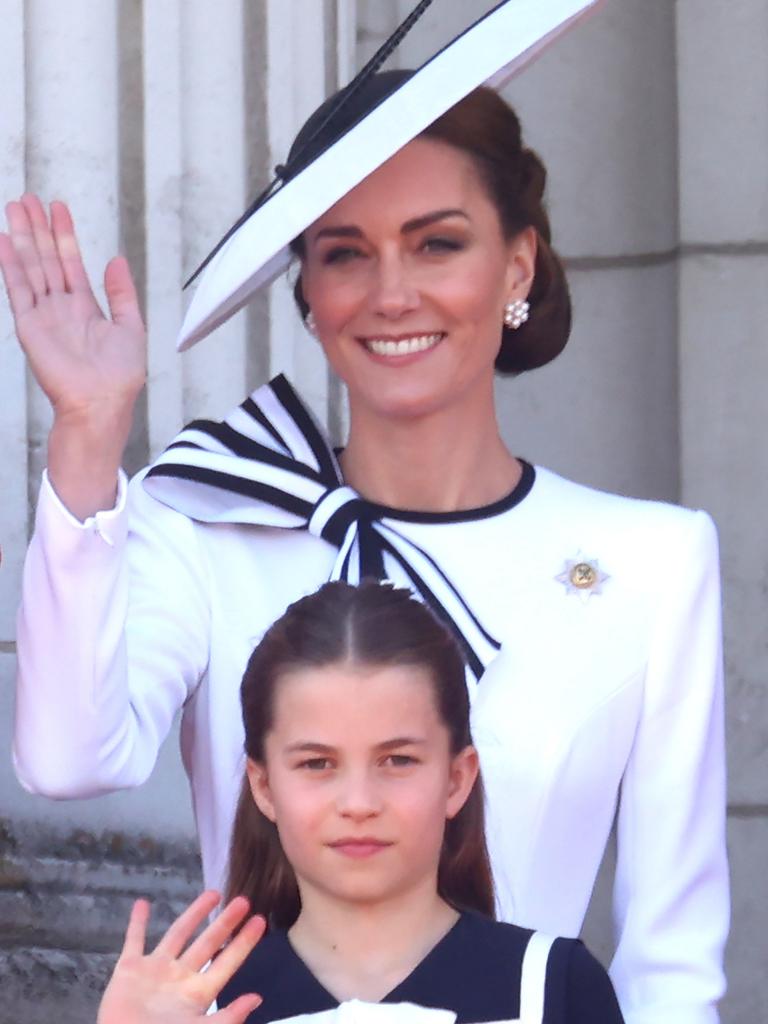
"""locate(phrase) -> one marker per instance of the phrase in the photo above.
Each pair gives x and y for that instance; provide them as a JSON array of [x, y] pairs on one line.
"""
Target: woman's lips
[[388, 347]]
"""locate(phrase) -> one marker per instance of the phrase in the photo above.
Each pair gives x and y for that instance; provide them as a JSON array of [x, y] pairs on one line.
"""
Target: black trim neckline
[[519, 492]]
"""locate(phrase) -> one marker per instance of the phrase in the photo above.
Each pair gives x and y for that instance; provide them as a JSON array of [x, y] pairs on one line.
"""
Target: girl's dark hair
[[372, 624], [487, 128]]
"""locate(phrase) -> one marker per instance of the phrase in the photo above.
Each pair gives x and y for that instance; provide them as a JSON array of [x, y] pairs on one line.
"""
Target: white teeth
[[403, 347]]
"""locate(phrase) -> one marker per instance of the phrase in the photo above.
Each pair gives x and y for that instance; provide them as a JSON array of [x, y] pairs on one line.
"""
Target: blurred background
[[159, 120]]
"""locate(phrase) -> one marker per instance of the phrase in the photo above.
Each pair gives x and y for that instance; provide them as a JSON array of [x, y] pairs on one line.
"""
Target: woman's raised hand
[[169, 984], [80, 357], [91, 366]]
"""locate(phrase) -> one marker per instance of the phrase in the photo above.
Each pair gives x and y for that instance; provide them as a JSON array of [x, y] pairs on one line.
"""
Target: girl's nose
[[358, 797]]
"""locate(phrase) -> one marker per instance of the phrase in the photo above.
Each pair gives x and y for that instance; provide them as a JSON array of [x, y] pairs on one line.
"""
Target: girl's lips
[[359, 848]]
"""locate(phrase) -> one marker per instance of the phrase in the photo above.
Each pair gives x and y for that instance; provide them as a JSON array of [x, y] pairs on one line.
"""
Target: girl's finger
[[184, 927], [237, 1011], [46, 247], [136, 932], [209, 942], [22, 237], [233, 955], [20, 294], [65, 239]]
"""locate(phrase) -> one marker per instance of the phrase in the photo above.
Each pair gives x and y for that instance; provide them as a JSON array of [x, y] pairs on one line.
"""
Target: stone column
[[723, 85]]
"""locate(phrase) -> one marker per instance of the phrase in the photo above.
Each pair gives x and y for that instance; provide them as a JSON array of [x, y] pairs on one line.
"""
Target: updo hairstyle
[[487, 128]]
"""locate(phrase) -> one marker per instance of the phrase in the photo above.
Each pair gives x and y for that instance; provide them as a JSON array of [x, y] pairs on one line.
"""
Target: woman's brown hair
[[372, 624], [488, 129]]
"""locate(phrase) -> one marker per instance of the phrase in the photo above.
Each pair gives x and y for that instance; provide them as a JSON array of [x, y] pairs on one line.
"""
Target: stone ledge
[[44, 985], [72, 892]]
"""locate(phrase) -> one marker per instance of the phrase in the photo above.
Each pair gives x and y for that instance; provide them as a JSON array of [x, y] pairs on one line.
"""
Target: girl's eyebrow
[[416, 224], [311, 747], [401, 741]]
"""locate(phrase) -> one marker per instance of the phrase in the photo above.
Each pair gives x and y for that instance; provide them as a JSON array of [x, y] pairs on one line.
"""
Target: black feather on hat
[[355, 132]]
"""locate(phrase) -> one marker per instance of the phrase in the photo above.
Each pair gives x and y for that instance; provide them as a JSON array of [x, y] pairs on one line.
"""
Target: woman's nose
[[394, 290]]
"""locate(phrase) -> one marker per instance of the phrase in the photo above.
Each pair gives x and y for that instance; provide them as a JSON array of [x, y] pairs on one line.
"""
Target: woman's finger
[[23, 240], [233, 955], [65, 239], [136, 932], [20, 294], [237, 1012], [46, 247], [184, 927], [209, 942], [121, 294]]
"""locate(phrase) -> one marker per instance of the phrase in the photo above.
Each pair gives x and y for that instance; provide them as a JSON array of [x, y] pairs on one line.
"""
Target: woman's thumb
[[121, 293]]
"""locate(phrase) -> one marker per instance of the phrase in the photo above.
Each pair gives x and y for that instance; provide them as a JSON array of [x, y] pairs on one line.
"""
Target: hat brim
[[490, 52]]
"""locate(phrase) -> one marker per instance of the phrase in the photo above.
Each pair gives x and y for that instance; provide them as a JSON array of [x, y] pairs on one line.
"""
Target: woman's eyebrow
[[430, 218], [415, 224]]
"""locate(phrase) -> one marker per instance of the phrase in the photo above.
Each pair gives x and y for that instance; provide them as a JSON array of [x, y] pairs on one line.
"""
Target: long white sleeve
[[113, 636], [671, 896]]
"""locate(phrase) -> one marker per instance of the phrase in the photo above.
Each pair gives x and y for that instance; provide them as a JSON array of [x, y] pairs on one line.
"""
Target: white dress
[[610, 694]]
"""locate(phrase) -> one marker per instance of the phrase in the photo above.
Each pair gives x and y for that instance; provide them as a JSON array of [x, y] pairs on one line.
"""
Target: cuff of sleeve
[[108, 524]]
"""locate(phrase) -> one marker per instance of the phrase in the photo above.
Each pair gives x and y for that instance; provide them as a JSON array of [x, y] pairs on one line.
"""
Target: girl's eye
[[315, 764], [400, 760], [439, 244], [340, 254]]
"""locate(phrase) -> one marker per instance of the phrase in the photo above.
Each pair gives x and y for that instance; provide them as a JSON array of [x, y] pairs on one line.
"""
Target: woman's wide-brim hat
[[354, 134]]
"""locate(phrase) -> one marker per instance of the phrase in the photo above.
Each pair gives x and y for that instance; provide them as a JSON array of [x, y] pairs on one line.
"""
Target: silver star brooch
[[582, 576]]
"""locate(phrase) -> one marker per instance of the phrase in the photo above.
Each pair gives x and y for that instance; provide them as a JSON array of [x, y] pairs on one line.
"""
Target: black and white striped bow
[[268, 464]]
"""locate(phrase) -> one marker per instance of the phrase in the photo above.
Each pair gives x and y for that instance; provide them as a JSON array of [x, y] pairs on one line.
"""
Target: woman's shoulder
[[550, 485], [648, 522]]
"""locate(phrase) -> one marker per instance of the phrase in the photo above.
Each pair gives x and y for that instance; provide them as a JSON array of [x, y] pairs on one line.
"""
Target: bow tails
[[268, 463]]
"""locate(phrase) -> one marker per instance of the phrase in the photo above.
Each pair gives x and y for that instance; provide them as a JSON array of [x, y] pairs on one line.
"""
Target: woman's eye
[[341, 254], [440, 245]]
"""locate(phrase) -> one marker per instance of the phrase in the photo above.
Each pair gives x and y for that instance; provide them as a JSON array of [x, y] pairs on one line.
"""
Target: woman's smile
[[393, 349], [411, 269]]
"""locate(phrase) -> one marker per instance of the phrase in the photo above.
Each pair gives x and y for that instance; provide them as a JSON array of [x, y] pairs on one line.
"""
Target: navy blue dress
[[474, 971]]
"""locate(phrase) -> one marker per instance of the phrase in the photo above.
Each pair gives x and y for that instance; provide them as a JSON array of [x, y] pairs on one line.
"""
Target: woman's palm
[[79, 357]]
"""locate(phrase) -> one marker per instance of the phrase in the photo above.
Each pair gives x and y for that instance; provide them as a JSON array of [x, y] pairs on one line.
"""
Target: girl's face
[[407, 277], [359, 779]]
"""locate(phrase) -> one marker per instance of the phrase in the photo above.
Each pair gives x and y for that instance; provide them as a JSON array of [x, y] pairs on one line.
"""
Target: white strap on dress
[[533, 978]]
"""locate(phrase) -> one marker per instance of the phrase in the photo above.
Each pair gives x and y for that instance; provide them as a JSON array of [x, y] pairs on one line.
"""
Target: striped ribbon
[[269, 464]]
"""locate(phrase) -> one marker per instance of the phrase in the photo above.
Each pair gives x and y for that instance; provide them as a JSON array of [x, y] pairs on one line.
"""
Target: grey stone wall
[[652, 121], [64, 901]]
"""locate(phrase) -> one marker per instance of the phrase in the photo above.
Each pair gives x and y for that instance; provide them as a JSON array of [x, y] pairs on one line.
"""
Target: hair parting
[[372, 624]]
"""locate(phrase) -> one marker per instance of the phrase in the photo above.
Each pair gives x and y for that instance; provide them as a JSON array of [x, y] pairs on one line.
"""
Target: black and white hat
[[354, 133]]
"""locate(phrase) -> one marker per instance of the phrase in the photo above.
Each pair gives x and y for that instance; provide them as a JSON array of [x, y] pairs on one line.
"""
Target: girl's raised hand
[[169, 984], [81, 358]]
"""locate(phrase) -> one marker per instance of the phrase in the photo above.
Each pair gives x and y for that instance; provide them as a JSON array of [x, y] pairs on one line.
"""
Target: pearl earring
[[309, 323], [516, 313]]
